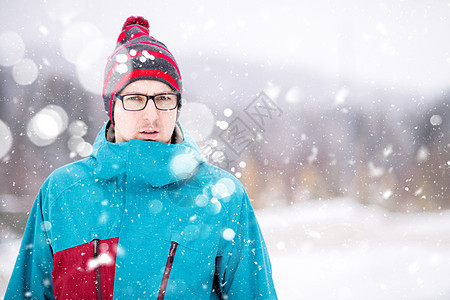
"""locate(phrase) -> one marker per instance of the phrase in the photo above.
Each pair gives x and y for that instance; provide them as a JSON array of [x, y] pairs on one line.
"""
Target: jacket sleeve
[[244, 268], [32, 274]]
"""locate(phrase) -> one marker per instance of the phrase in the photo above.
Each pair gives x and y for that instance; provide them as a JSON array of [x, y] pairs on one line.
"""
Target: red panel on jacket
[[74, 270]]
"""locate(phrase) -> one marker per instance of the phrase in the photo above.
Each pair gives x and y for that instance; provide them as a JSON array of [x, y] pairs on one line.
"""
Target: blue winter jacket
[[142, 219]]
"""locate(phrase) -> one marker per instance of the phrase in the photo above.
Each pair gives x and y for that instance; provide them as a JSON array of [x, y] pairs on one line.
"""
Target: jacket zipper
[[97, 271], [216, 280], [165, 280]]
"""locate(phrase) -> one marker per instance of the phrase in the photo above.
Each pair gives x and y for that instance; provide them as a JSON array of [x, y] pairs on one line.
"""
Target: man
[[143, 216]]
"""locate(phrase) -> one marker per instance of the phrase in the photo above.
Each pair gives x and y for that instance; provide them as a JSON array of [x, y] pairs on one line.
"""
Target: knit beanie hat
[[138, 56]]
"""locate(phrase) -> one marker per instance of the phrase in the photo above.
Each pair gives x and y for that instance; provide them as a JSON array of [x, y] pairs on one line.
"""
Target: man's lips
[[148, 134]]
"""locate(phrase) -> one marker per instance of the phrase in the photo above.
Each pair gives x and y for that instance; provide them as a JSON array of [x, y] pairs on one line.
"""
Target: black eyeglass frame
[[150, 98]]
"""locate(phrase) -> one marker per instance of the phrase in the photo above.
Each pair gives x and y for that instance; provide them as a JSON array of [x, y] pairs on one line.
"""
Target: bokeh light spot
[[84, 149], [201, 200], [78, 128], [222, 124], [228, 112], [214, 206], [225, 187], [122, 68], [422, 154], [73, 143], [198, 120], [5, 139], [183, 164], [46, 125], [75, 38], [228, 234], [46, 226], [191, 232], [436, 120], [12, 48], [91, 64], [341, 96], [155, 206], [294, 95], [25, 72], [121, 58]]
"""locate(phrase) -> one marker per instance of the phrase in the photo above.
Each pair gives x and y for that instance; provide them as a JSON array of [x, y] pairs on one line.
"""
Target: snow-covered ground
[[339, 249]]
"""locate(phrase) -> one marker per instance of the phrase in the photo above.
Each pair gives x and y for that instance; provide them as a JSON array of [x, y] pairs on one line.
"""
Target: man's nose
[[150, 111]]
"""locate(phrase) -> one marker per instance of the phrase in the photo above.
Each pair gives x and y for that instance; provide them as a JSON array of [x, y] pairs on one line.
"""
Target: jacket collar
[[146, 162]]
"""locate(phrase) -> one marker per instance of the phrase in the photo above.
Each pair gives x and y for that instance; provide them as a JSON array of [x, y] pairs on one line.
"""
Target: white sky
[[399, 44]]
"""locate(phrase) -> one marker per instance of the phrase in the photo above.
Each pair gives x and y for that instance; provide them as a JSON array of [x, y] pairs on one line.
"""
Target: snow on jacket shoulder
[[142, 219]]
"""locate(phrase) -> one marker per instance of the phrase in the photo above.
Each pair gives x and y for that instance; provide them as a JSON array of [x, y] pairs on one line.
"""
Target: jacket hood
[[146, 162]]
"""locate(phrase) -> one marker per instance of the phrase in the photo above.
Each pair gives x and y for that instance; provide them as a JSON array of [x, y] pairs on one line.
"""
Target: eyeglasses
[[135, 102]]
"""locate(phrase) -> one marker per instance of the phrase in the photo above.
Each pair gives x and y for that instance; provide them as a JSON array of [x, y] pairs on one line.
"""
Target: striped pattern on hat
[[138, 56]]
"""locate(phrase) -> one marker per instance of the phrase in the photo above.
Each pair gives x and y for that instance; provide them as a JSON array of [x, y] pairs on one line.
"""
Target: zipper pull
[[96, 243], [173, 248], [97, 271]]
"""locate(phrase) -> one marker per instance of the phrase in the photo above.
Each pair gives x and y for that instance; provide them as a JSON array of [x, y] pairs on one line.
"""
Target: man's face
[[149, 124]]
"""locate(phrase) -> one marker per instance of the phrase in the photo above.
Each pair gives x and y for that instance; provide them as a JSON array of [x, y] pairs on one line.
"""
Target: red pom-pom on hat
[[136, 20]]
